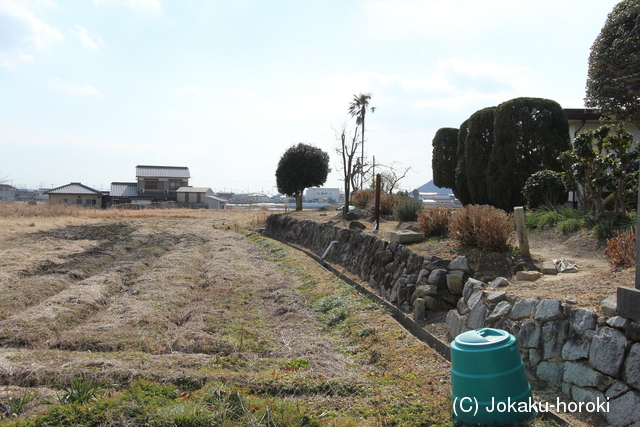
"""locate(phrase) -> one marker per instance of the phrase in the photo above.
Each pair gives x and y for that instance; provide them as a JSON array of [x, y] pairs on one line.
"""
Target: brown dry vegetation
[[595, 280], [187, 297], [191, 297]]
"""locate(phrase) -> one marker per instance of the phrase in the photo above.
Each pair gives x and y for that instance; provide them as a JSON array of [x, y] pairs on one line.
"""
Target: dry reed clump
[[621, 249], [435, 221], [365, 199], [236, 219], [49, 210], [484, 227]]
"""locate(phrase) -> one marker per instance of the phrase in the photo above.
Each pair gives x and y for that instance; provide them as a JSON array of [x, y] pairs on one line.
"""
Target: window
[[79, 201], [151, 185], [93, 202], [65, 200], [174, 185]]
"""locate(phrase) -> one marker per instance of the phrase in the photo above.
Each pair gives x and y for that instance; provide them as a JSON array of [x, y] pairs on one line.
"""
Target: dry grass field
[[229, 327], [195, 300]]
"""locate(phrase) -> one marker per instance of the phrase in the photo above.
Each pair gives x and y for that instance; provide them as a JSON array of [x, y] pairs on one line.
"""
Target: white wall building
[[588, 118], [331, 195]]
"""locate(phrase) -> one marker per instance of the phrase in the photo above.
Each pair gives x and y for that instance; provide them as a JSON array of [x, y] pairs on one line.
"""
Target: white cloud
[[398, 19], [37, 32], [11, 59], [134, 4], [24, 32], [242, 93], [188, 90], [83, 90], [88, 40]]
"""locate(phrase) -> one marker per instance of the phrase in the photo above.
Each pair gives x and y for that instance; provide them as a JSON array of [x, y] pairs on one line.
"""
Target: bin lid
[[482, 336]]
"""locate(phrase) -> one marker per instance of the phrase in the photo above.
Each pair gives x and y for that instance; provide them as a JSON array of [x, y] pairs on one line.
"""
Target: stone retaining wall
[[590, 359], [587, 358], [398, 274]]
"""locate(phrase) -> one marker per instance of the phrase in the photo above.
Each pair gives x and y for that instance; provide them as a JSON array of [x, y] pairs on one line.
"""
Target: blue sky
[[91, 88]]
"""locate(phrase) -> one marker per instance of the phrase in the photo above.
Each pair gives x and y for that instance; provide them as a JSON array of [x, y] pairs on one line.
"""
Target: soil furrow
[[41, 315]]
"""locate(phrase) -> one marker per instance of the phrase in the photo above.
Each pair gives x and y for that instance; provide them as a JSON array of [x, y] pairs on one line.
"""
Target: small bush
[[603, 229], [570, 225], [362, 199], [484, 227], [80, 391], [19, 402], [435, 221], [365, 199], [621, 249], [327, 304], [544, 188], [543, 217], [408, 210]]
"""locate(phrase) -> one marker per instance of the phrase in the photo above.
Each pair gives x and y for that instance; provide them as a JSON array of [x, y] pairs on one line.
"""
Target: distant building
[[226, 195], [76, 193], [160, 183], [199, 197], [122, 192], [329, 195], [7, 193], [436, 196], [589, 118]]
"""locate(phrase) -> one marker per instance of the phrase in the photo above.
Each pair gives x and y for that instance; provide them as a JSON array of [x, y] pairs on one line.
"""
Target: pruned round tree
[[462, 189], [300, 167], [529, 134], [477, 151], [613, 81], [444, 158], [545, 188]]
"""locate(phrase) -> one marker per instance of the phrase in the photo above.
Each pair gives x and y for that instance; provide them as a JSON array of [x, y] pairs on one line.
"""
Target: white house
[[589, 118], [76, 193], [330, 195]]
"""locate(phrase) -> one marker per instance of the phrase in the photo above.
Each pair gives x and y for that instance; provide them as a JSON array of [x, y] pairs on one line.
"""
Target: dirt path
[[594, 281]]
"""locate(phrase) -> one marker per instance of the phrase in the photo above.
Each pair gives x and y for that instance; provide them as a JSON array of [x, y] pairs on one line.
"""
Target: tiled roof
[[217, 198], [193, 189], [123, 189], [162, 172], [73, 188]]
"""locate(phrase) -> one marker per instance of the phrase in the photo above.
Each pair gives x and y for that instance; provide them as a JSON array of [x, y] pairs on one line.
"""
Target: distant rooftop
[[582, 114], [73, 188], [123, 189], [144, 171], [193, 189]]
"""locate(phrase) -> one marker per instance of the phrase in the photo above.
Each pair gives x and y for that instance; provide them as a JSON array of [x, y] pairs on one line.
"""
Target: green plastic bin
[[488, 381]]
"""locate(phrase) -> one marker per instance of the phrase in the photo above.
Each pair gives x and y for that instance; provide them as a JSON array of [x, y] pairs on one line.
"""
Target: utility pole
[[628, 304], [376, 213]]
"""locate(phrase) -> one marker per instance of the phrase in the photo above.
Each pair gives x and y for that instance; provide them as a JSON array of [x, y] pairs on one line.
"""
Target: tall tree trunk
[[347, 190], [298, 197], [362, 156]]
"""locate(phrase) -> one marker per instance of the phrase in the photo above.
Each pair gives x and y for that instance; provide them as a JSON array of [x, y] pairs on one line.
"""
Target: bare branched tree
[[391, 176], [351, 167]]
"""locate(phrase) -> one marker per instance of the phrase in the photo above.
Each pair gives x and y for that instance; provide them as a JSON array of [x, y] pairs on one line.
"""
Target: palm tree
[[358, 108]]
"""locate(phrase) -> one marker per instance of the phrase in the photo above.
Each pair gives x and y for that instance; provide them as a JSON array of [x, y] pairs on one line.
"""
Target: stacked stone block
[[587, 358]]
